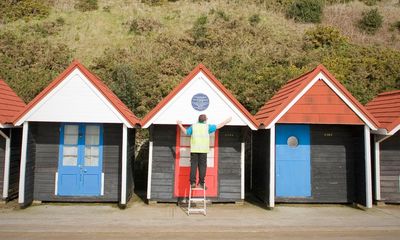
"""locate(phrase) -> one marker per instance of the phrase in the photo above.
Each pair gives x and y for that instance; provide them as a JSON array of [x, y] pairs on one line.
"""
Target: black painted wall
[[337, 165], [130, 160], [30, 167], [229, 162], [390, 169], [260, 168], [15, 159], [163, 165], [42, 164], [2, 159]]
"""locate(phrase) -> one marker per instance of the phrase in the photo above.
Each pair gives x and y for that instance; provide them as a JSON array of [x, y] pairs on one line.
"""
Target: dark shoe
[[193, 185], [202, 186]]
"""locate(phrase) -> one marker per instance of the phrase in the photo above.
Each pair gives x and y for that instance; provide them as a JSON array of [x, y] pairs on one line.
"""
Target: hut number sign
[[200, 102]]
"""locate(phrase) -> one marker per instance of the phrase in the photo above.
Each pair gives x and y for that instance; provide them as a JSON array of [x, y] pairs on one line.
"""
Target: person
[[199, 146]]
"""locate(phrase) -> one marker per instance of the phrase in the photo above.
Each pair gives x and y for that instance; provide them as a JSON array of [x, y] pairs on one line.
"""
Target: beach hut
[[386, 109], [313, 145], [10, 142], [77, 142], [169, 149]]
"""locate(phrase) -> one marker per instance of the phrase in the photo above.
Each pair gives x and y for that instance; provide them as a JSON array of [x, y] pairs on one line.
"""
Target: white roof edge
[[394, 130]]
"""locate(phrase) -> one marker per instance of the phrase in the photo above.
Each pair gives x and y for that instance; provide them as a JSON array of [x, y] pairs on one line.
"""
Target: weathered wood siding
[[337, 165], [164, 142], [261, 164], [390, 169], [2, 162], [229, 163], [43, 155], [15, 160], [336, 151]]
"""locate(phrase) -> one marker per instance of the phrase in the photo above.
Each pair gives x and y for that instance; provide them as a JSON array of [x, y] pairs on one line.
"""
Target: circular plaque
[[200, 102]]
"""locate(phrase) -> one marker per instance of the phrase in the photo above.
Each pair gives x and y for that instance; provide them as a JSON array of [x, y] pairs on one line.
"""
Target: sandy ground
[[223, 221]]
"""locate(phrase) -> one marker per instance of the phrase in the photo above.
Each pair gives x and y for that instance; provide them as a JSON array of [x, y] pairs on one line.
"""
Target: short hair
[[202, 118]]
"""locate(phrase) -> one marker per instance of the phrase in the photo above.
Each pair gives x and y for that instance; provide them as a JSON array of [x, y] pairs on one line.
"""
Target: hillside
[[142, 49]]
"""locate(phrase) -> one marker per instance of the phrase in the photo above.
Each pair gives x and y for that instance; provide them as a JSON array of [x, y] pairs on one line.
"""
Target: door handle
[[85, 170]]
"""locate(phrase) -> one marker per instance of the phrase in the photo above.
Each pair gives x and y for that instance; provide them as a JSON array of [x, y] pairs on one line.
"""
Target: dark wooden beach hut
[[10, 142], [77, 142], [313, 145], [386, 109], [169, 149]]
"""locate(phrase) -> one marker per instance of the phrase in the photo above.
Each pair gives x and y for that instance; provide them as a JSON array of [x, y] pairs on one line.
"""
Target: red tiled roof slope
[[10, 103], [107, 93], [386, 108], [294, 87], [282, 98], [214, 80]]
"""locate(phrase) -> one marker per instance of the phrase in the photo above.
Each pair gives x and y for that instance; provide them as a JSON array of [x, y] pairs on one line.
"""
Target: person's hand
[[179, 122]]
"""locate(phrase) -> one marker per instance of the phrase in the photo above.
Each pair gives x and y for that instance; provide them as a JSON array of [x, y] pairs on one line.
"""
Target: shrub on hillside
[[323, 36], [371, 21], [370, 2], [254, 19], [199, 31], [86, 5], [396, 26], [157, 2], [142, 25], [308, 11], [29, 63], [12, 10]]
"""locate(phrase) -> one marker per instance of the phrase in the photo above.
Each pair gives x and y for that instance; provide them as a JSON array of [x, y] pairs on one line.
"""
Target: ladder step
[[197, 199], [197, 189], [197, 210]]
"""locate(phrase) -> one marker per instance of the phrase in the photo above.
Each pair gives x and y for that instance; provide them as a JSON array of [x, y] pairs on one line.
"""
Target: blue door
[[80, 160], [293, 172]]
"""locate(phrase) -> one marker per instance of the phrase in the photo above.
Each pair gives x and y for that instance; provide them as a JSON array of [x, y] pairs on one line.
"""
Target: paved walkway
[[223, 221]]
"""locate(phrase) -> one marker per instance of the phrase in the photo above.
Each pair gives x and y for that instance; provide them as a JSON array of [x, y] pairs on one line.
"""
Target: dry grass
[[88, 34], [345, 17]]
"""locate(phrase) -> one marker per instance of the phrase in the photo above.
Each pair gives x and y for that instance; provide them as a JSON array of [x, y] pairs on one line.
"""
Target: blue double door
[[80, 160], [293, 170]]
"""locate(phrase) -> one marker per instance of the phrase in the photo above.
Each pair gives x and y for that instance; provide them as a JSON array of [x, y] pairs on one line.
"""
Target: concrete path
[[223, 221]]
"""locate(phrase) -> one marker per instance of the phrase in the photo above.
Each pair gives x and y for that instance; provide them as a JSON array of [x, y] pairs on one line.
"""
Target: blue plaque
[[200, 102]]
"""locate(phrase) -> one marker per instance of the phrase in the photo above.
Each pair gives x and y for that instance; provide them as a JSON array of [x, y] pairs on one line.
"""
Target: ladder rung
[[197, 189], [197, 199], [197, 210]]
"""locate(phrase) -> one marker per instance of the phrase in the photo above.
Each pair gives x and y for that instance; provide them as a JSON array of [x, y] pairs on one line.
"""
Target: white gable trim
[[322, 77], [54, 91], [215, 89], [397, 128]]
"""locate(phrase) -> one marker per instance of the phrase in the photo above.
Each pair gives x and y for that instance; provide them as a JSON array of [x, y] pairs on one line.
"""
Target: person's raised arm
[[180, 126], [224, 122]]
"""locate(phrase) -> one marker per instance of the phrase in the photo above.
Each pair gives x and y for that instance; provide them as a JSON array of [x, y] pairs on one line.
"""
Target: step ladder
[[199, 203]]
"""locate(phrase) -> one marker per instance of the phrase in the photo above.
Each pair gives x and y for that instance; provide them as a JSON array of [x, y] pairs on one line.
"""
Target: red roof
[[214, 80], [10, 103], [386, 108], [107, 93], [277, 104]]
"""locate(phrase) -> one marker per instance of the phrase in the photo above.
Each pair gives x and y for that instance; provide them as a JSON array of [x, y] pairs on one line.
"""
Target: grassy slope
[[276, 39]]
